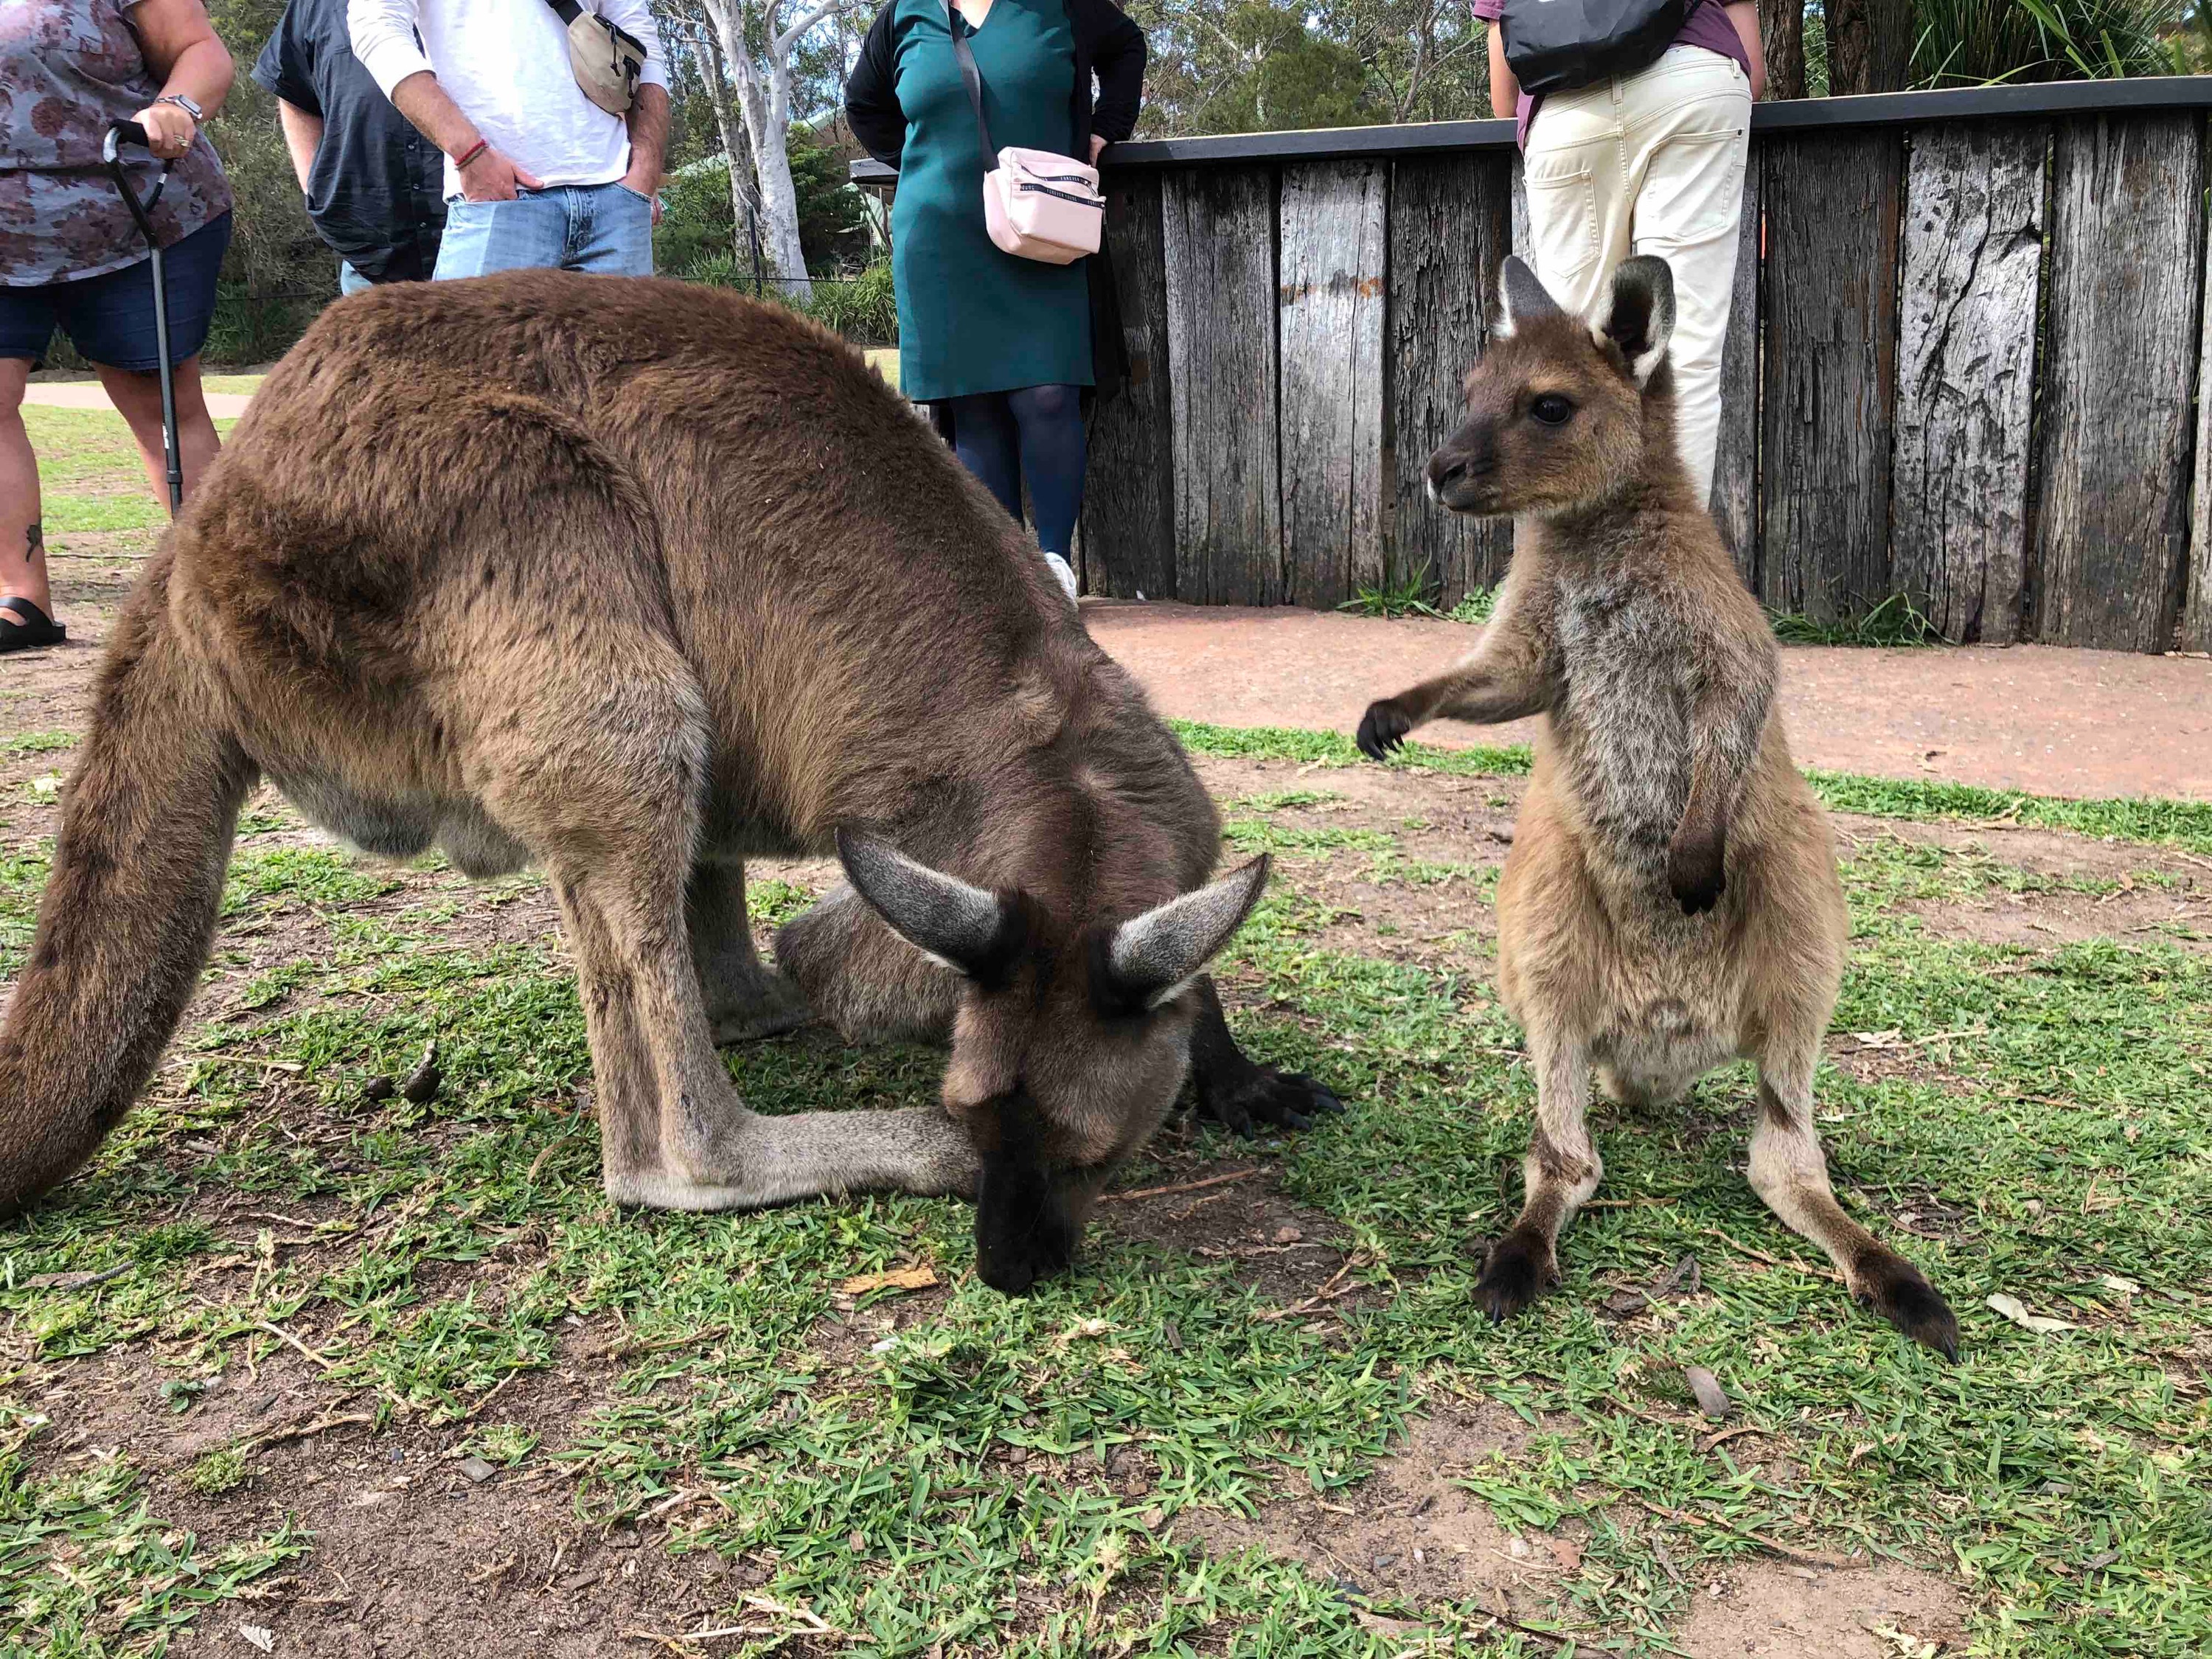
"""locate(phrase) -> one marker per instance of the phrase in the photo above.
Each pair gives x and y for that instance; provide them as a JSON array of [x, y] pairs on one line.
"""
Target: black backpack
[[1556, 45]]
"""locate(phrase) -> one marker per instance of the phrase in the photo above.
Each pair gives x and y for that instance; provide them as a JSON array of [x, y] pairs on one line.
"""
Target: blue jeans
[[349, 280], [606, 229]]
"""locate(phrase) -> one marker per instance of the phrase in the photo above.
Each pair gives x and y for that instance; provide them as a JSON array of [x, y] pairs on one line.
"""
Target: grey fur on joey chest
[[1622, 721]]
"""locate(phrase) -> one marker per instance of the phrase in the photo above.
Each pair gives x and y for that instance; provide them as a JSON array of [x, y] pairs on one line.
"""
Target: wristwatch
[[185, 104]]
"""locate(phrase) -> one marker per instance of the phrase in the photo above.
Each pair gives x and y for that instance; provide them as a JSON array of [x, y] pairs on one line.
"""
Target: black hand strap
[[972, 81]]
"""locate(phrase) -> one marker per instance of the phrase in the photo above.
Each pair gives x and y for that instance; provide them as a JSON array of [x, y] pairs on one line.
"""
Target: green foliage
[[697, 222], [1250, 65], [699, 228], [217, 1472], [277, 273], [862, 308], [1976, 42], [1476, 607], [1407, 597], [1895, 621]]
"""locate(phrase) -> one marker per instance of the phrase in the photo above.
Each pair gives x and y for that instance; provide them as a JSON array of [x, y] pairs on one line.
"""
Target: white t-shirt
[[506, 63]]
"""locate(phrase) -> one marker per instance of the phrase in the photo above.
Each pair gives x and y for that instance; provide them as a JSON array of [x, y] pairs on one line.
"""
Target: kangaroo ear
[[1522, 295], [1150, 959], [964, 928], [1639, 317]]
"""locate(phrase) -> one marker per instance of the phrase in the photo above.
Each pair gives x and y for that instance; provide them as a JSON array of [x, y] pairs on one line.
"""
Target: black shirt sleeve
[[1118, 56], [286, 64], [871, 105]]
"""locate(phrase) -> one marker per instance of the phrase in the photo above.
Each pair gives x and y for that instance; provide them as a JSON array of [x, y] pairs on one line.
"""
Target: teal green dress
[[973, 319]]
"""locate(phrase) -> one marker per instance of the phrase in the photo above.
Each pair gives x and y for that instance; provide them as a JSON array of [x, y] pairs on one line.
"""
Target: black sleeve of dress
[[871, 105], [1119, 57]]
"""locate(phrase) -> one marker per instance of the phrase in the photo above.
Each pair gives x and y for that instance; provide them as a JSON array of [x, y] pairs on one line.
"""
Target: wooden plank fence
[[1968, 364]]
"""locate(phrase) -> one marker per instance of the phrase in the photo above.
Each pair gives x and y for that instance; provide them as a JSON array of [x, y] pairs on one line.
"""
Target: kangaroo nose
[[1443, 470]]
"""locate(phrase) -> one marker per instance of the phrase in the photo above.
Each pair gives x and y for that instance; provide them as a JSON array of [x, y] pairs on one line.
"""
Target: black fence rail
[[1969, 333]]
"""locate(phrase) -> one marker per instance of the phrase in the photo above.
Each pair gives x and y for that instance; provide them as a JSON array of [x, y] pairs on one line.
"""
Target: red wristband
[[471, 154]]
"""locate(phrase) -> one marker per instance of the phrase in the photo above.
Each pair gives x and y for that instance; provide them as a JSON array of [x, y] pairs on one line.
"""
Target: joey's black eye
[[1552, 409]]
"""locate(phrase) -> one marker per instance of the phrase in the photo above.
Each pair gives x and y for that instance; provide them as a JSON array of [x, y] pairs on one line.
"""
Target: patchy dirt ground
[[416, 1549]]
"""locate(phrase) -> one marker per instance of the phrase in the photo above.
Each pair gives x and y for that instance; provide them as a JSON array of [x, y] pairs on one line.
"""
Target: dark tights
[[1036, 433]]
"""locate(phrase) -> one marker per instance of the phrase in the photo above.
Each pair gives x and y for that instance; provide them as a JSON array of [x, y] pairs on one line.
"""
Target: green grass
[[2185, 825], [90, 477], [38, 742], [865, 1473], [1895, 621], [1413, 597]]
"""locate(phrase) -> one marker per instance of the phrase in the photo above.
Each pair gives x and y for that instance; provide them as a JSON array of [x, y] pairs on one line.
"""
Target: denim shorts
[[110, 318]]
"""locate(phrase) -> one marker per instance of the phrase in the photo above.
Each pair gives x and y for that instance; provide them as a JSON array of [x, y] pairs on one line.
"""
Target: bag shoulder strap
[[566, 10], [969, 78]]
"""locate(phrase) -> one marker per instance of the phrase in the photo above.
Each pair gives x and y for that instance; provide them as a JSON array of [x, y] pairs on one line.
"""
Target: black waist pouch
[[1556, 45]]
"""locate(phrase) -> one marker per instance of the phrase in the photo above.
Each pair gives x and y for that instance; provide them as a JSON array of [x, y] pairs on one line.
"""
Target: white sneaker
[[1067, 576]]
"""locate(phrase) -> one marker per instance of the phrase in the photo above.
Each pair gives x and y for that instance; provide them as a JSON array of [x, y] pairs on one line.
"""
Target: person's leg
[[1050, 421], [612, 234], [1691, 135], [112, 320], [988, 444], [138, 397], [1579, 208], [23, 550], [349, 280], [481, 237]]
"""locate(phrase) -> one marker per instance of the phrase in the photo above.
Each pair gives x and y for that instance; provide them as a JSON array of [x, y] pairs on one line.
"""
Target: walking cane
[[130, 132]]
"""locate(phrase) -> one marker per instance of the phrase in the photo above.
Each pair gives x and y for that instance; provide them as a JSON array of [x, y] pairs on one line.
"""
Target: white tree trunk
[[734, 142], [764, 81]]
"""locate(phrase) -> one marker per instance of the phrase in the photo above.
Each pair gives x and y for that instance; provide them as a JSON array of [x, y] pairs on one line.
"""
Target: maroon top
[[1707, 26]]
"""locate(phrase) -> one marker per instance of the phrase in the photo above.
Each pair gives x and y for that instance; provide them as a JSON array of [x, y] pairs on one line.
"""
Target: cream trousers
[[1651, 163]]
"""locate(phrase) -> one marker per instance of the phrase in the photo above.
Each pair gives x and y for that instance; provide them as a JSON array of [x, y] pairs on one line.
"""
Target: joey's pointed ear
[[965, 928], [1149, 958], [1523, 296], [1639, 317]]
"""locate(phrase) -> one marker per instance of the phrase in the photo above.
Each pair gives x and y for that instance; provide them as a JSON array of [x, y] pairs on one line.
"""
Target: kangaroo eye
[[1553, 409]]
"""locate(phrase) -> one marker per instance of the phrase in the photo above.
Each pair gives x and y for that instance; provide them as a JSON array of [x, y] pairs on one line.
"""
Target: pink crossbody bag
[[1037, 205]]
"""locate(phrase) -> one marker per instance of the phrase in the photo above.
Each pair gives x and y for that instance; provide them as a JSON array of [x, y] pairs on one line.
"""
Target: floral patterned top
[[68, 68]]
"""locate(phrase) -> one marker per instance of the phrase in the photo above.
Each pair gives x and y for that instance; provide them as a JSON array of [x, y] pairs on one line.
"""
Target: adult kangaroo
[[634, 580], [1671, 902]]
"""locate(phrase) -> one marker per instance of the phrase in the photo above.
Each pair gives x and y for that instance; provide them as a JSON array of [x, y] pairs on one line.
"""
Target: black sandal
[[32, 628]]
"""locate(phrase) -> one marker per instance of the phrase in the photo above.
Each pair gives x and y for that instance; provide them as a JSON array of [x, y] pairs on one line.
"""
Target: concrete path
[[2040, 718], [90, 394]]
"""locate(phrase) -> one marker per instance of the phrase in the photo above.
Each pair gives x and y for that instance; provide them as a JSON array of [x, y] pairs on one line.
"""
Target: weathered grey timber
[[1330, 334], [1966, 364], [1128, 511], [1829, 302], [1735, 461], [1974, 221], [1451, 226], [1219, 244], [2113, 507]]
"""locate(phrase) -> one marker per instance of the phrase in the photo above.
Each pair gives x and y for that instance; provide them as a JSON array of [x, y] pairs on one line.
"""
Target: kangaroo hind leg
[[746, 999], [1790, 1173], [1559, 1175]]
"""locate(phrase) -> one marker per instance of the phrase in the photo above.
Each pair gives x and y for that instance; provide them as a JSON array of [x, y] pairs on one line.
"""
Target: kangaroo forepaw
[[1517, 1271], [772, 1004], [1383, 727], [1266, 1097], [1892, 1287]]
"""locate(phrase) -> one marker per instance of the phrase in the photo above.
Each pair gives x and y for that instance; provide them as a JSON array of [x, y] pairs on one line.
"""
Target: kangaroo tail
[[130, 908]]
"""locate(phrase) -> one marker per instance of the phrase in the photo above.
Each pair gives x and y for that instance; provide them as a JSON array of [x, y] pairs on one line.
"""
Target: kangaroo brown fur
[[1671, 901], [634, 580]]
